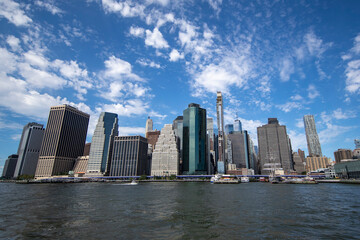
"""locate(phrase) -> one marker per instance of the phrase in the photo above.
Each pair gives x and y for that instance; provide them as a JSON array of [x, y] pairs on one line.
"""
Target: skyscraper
[[237, 125], [312, 137], [102, 143], [274, 146], [9, 166], [240, 150], [165, 158], [129, 156], [221, 138], [149, 126], [357, 143], [63, 141], [178, 130], [194, 140], [29, 149], [342, 154], [229, 128]]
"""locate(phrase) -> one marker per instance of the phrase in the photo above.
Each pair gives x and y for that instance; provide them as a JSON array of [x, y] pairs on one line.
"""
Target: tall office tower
[[229, 128], [229, 156], [63, 141], [29, 149], [274, 147], [253, 156], [87, 149], [165, 158], [237, 125], [129, 156], [301, 154], [240, 149], [101, 144], [314, 163], [10, 165], [342, 154], [152, 138], [357, 143], [149, 126], [194, 140], [220, 125], [211, 145], [178, 129], [312, 137], [299, 165]]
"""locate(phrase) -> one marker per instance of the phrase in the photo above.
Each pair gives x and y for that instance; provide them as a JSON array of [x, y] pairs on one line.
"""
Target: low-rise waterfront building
[[81, 165], [314, 163], [341, 154], [348, 169]]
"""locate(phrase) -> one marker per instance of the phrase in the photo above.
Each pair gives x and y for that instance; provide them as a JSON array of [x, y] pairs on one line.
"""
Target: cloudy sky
[[279, 59]]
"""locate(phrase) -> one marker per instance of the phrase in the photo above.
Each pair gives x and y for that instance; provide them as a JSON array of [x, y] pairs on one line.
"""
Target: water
[[179, 211]]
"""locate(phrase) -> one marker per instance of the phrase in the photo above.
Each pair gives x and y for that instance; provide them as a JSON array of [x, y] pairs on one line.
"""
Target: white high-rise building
[[149, 126], [312, 137], [165, 158]]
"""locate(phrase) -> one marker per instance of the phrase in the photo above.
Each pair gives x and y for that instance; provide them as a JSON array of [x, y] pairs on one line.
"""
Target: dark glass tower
[[194, 140], [29, 149], [63, 141], [102, 143]]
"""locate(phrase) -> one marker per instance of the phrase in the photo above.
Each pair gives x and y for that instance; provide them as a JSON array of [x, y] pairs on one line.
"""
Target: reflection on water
[[179, 211]]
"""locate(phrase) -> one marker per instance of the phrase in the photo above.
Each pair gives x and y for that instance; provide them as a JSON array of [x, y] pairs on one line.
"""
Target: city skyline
[[282, 60]]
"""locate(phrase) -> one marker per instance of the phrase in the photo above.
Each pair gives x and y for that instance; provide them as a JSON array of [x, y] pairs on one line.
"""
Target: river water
[[179, 211]]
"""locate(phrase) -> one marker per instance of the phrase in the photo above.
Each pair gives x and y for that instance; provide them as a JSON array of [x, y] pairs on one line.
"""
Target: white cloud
[[315, 45], [296, 97], [16, 137], [13, 42], [12, 11], [127, 109], [117, 68], [215, 4], [312, 92], [331, 132], [289, 106], [298, 140], [10, 125], [126, 131], [148, 63], [155, 39], [232, 71], [352, 73], [126, 9], [286, 69], [339, 114], [356, 48], [175, 55], [49, 6], [158, 115], [299, 123], [137, 31], [36, 59]]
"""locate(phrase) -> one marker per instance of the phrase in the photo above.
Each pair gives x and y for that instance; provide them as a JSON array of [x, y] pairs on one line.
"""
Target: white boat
[[223, 179], [245, 179], [133, 182]]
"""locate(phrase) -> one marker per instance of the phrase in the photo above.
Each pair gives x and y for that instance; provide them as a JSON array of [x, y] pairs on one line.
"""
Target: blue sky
[[279, 59]]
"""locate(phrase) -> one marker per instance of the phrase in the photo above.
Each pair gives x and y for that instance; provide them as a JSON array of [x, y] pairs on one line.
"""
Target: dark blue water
[[179, 211]]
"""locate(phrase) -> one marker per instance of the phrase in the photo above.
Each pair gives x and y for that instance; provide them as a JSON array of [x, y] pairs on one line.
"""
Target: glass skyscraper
[[312, 137], [237, 125], [102, 143], [229, 128], [194, 140]]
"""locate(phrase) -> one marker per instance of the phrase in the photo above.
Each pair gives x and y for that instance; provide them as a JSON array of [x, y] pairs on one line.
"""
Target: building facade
[[299, 165], [312, 137], [274, 146], [129, 156], [81, 165], [237, 125], [64, 140], [348, 169], [165, 158], [9, 166], [221, 134], [194, 140], [29, 149], [102, 143], [149, 126], [229, 128], [314, 163], [342, 154]]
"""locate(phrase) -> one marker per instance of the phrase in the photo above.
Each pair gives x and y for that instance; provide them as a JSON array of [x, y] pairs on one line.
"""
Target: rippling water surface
[[179, 211]]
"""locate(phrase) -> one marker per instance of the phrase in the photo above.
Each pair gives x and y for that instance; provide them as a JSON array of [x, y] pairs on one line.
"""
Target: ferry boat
[[245, 179], [223, 179]]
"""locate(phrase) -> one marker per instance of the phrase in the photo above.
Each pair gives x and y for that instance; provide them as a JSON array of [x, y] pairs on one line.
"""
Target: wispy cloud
[[13, 12]]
